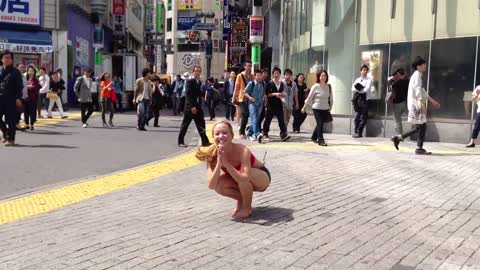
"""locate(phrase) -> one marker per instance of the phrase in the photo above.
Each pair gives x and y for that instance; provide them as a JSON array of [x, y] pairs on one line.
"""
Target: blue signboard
[[21, 12], [186, 23]]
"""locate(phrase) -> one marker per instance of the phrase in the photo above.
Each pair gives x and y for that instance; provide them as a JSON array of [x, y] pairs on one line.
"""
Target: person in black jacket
[[399, 85], [274, 91], [193, 109], [11, 86], [157, 101]]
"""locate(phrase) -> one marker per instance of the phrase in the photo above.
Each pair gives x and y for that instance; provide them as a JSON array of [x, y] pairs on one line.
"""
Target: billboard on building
[[189, 4], [186, 23], [25, 12], [256, 29]]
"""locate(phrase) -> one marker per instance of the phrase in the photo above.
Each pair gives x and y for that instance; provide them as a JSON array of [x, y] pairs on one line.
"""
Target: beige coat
[[138, 93]]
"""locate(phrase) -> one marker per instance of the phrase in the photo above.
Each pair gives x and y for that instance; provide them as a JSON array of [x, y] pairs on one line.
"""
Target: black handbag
[[329, 117]]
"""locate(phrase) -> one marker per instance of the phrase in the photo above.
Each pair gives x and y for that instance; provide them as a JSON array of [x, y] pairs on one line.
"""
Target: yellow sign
[[189, 4]]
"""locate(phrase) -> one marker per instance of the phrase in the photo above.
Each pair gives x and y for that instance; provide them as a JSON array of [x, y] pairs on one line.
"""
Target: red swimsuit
[[252, 162]]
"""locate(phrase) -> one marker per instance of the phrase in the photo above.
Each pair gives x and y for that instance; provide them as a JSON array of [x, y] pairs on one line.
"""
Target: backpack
[[390, 95]]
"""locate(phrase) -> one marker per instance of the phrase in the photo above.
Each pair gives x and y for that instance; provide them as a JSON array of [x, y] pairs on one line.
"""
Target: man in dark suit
[[228, 89], [11, 86], [193, 109]]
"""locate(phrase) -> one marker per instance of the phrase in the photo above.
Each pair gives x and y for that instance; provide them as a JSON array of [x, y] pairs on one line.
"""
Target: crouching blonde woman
[[233, 171]]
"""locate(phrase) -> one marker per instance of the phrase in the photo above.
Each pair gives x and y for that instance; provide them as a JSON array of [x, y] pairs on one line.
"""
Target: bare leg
[[229, 188], [246, 190], [258, 181]]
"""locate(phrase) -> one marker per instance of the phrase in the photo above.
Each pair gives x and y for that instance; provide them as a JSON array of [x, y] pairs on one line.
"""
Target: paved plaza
[[357, 204]]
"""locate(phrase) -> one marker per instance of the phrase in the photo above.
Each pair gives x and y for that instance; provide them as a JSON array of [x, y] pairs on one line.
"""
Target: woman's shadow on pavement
[[267, 216]]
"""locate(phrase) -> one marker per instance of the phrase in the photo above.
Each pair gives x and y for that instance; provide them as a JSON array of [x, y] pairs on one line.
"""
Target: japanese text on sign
[[23, 12]]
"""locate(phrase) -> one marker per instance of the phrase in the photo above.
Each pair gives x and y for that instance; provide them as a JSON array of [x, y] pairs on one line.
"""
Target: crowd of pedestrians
[[252, 98]]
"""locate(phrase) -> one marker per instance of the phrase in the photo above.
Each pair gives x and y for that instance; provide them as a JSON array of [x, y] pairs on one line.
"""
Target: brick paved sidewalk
[[353, 205]]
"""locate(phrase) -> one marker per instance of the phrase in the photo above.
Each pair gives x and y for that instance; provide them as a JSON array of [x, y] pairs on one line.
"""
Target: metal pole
[[207, 53]]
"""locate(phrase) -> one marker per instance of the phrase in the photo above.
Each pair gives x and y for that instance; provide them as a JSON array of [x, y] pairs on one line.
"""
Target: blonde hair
[[209, 155]]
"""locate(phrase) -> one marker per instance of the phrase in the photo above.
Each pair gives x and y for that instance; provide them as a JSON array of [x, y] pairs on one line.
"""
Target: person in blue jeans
[[254, 93]]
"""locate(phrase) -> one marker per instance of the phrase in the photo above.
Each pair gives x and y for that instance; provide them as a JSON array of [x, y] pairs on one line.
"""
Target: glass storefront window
[[402, 55], [452, 71], [477, 82], [376, 57]]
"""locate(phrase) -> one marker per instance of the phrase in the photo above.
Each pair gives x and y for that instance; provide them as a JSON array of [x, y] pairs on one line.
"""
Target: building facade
[[189, 44], [30, 29], [342, 35]]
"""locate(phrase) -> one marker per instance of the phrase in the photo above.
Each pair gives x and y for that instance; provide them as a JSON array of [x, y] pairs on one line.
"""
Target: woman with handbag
[[33, 89], [53, 95], [320, 100], [109, 98]]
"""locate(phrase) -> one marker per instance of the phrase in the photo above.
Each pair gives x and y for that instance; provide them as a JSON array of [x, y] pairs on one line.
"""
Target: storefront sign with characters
[[21, 12], [24, 48]]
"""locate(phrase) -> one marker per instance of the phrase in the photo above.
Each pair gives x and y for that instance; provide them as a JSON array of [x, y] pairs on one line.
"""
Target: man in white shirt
[[362, 89], [417, 107], [476, 127], [44, 81]]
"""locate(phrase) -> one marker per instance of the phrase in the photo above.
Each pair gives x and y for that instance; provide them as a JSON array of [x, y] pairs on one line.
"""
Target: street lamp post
[[208, 45]]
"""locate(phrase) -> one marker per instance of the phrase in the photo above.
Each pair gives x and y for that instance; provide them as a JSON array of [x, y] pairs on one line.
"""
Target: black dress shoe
[[356, 135], [396, 141], [470, 145], [323, 144], [422, 152]]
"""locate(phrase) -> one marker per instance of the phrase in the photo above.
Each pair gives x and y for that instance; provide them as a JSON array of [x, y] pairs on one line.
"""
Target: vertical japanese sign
[[160, 16], [98, 37], [118, 7], [148, 15], [21, 12], [226, 20], [119, 22]]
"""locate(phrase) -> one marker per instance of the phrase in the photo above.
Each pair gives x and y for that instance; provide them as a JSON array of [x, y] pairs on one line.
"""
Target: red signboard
[[118, 7]]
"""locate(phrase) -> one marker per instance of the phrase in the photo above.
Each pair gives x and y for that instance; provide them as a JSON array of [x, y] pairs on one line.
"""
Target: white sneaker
[[252, 138], [84, 125]]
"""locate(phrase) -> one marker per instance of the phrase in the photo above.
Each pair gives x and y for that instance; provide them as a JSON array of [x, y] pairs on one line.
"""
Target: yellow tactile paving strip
[[51, 121], [388, 148], [42, 202]]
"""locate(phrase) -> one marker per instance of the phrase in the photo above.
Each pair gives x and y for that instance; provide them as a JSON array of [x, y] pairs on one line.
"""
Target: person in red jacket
[[33, 87], [109, 97]]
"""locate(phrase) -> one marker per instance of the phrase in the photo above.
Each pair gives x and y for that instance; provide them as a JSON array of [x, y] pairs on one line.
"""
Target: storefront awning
[[26, 41]]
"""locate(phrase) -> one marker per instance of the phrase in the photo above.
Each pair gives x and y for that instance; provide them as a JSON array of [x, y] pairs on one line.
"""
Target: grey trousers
[[398, 110]]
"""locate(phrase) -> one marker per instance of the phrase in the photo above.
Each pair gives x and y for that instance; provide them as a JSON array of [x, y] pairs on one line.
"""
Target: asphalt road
[[65, 152]]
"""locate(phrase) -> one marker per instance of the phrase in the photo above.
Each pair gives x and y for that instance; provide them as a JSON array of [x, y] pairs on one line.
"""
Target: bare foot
[[236, 209], [242, 214]]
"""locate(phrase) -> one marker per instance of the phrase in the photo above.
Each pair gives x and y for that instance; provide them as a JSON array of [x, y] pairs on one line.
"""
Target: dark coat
[[193, 95], [11, 83]]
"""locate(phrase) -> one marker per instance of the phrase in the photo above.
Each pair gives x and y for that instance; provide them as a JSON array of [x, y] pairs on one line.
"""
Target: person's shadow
[[267, 216]]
